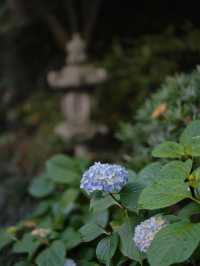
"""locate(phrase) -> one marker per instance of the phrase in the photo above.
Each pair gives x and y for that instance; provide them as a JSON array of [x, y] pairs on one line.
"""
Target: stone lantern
[[76, 79]]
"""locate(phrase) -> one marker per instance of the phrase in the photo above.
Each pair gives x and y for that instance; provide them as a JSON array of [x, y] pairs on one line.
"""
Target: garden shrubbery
[[105, 214], [143, 210], [162, 116], [133, 218], [137, 69]]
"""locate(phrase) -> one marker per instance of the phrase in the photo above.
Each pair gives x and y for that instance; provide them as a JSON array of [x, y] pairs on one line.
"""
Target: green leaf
[[190, 132], [122, 262], [28, 244], [132, 176], [174, 244], [71, 238], [194, 180], [169, 149], [42, 208], [90, 231], [69, 197], [193, 149], [62, 169], [89, 252], [190, 138], [188, 166], [59, 214], [41, 187], [170, 218], [87, 263], [149, 174], [5, 239], [129, 195], [169, 189], [52, 256], [46, 222], [127, 246], [81, 164], [134, 263], [100, 218], [102, 203], [189, 209], [106, 248], [196, 173], [23, 263]]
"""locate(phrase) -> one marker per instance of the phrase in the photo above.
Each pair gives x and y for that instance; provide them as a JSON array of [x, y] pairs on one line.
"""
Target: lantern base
[[68, 131]]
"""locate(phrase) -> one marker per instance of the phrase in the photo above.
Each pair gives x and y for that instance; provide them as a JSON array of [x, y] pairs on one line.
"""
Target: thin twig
[[92, 21], [196, 200], [58, 30], [73, 17], [117, 201]]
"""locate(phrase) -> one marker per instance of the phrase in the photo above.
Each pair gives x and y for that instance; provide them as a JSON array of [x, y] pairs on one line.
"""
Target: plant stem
[[117, 202], [197, 193], [106, 232], [124, 209], [128, 219], [196, 200]]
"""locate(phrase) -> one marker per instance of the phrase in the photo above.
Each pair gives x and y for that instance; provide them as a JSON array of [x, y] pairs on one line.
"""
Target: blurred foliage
[[138, 70], [28, 115], [42, 107], [61, 210], [27, 140], [161, 116], [31, 125]]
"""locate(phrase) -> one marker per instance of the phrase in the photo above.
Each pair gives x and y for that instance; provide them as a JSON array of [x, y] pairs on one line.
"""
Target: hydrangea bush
[[139, 68], [149, 218], [162, 116]]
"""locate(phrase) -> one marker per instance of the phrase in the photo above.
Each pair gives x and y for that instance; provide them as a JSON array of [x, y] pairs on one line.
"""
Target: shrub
[[151, 217], [137, 69], [162, 116]]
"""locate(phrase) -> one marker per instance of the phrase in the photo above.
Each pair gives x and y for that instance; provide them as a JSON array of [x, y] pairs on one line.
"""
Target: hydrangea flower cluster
[[104, 177], [146, 231], [70, 262]]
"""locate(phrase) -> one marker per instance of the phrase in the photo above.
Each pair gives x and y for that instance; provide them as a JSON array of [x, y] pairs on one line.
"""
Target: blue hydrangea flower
[[104, 177], [146, 231], [70, 262]]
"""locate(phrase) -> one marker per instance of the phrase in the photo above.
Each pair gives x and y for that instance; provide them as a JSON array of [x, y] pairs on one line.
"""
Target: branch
[[91, 21], [72, 16], [58, 31]]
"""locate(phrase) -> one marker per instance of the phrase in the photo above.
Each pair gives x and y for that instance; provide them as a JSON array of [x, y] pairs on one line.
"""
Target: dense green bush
[[161, 117], [153, 220], [137, 69]]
